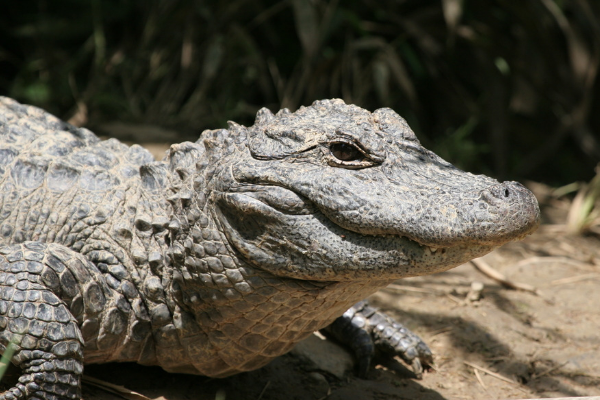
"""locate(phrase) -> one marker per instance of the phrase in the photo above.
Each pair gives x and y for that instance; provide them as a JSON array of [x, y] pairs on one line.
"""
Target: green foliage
[[517, 77], [458, 144], [7, 357]]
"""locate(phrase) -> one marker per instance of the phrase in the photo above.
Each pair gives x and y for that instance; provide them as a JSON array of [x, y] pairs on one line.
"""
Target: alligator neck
[[246, 315]]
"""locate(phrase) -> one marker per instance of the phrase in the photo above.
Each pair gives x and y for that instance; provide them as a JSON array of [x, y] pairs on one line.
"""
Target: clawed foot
[[367, 331]]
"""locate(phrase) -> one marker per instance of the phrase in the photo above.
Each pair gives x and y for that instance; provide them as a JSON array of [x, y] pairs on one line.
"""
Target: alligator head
[[334, 192]]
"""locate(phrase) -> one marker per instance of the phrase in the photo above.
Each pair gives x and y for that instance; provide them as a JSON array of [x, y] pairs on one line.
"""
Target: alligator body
[[232, 249]]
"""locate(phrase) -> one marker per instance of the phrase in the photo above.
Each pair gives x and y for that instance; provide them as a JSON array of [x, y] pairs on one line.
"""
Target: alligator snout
[[503, 192], [505, 211]]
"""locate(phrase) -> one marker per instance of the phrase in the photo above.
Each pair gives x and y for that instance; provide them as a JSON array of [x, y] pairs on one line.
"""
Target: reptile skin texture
[[232, 249]]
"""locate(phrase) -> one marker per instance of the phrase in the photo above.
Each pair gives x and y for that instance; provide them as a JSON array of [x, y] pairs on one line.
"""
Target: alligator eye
[[345, 152]]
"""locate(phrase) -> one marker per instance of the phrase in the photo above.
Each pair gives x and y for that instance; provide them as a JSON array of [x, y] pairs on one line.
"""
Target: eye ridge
[[345, 151]]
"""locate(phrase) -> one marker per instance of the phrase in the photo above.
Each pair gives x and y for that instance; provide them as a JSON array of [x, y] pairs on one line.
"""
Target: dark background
[[502, 87]]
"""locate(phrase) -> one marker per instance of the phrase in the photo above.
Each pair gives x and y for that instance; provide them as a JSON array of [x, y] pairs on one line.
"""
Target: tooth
[[433, 249]]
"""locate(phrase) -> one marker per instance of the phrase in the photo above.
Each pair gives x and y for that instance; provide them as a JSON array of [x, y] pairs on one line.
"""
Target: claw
[[364, 329], [364, 365], [417, 368]]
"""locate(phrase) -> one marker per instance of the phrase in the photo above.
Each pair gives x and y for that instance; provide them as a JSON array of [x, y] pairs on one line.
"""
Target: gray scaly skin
[[231, 250], [367, 331]]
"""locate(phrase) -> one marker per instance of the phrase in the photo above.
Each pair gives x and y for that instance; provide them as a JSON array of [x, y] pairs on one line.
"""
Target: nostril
[[499, 193]]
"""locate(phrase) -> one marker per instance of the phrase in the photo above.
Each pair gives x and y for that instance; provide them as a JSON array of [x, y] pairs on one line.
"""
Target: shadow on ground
[[285, 378]]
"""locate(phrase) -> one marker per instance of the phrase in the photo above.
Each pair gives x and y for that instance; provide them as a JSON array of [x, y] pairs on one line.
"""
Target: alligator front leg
[[367, 330], [41, 298]]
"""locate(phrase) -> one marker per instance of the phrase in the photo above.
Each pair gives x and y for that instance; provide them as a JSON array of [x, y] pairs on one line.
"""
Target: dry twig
[[112, 388], [490, 272], [487, 371], [479, 378], [264, 390], [546, 372], [573, 279], [558, 260]]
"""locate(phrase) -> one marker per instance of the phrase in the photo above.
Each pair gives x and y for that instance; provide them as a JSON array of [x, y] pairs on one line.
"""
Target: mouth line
[[325, 251], [314, 210], [431, 250], [428, 250]]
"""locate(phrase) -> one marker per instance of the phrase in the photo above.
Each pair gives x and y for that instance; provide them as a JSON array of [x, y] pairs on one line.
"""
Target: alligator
[[222, 256]]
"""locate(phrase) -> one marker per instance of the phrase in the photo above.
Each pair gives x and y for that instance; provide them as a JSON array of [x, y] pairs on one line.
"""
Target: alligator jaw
[[271, 241]]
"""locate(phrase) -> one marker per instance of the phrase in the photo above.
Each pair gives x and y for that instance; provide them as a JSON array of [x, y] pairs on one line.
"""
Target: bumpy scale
[[230, 250]]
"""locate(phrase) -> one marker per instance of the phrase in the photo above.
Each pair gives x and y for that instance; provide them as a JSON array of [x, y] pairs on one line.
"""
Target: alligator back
[[54, 175]]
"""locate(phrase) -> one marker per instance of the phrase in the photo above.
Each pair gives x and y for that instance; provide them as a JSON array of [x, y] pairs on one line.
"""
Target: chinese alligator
[[230, 250]]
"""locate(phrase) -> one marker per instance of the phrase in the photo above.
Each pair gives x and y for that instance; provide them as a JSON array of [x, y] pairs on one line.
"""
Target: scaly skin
[[231, 250]]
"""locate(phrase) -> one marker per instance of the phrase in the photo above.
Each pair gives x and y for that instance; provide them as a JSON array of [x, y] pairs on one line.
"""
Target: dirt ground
[[507, 345]]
